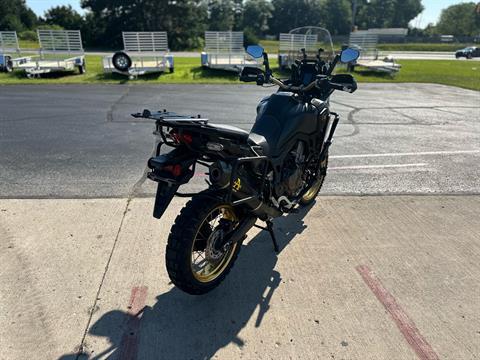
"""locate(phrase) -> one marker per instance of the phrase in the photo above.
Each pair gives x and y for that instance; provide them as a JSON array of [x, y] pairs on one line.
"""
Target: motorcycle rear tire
[[184, 241]]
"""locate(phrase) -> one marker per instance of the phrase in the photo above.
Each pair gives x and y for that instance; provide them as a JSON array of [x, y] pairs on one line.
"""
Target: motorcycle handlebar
[[293, 88]]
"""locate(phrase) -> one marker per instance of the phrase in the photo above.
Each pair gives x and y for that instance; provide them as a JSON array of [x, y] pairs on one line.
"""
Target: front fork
[[331, 127]]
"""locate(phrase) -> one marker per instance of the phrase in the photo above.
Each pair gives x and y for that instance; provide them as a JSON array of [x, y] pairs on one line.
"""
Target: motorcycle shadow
[[180, 326]]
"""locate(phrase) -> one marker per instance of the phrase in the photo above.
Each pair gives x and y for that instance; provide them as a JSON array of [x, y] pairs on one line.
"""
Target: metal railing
[[296, 42], [9, 42], [60, 42], [145, 42], [224, 42]]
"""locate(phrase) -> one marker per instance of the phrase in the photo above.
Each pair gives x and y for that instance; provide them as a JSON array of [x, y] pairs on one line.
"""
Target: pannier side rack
[[148, 51], [224, 51], [60, 51], [170, 119], [8, 47]]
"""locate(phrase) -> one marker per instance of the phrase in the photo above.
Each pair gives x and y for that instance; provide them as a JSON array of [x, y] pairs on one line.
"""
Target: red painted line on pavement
[[128, 348], [406, 326]]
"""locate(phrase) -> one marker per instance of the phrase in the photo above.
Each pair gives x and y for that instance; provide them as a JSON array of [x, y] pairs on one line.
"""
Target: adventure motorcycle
[[280, 164]]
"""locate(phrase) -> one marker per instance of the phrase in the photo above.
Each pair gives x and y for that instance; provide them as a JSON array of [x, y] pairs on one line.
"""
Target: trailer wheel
[[121, 61], [82, 69], [8, 64]]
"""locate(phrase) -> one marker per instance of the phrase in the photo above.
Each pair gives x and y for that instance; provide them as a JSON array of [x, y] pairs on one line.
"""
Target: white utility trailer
[[10, 51], [224, 50], [366, 42], [143, 53], [310, 38], [60, 51]]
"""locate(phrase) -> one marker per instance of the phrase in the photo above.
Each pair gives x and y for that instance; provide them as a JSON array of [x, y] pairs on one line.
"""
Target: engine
[[292, 178]]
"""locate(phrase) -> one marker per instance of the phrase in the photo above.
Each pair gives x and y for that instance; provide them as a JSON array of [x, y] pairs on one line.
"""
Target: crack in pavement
[[112, 107], [92, 311], [133, 193]]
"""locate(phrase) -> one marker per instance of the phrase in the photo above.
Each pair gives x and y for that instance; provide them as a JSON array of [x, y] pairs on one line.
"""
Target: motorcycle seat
[[230, 131]]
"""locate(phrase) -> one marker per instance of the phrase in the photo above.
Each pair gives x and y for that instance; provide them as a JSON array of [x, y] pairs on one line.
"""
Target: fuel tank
[[282, 120]]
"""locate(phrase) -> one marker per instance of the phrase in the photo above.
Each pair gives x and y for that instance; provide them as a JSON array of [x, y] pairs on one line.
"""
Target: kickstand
[[269, 229]]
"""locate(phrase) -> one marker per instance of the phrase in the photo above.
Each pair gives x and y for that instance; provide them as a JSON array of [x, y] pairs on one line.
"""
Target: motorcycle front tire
[[312, 192]]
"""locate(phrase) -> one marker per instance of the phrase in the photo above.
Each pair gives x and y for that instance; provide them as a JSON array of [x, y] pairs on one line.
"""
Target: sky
[[431, 14]]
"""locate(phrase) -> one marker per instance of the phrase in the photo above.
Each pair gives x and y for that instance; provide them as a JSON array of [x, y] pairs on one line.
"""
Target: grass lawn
[[452, 47], [464, 74], [28, 44]]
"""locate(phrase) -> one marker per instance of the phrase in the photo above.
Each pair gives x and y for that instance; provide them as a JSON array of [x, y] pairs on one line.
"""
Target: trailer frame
[[147, 51], [8, 47], [60, 51], [366, 42], [224, 50]]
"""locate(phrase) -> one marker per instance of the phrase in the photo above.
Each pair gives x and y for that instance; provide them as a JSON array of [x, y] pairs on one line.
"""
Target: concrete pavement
[[72, 269]]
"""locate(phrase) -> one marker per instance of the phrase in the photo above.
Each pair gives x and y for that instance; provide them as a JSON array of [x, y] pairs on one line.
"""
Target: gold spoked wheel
[[207, 261], [313, 191]]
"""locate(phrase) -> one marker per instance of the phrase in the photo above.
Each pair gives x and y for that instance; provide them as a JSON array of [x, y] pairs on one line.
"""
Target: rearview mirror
[[348, 55], [255, 51]]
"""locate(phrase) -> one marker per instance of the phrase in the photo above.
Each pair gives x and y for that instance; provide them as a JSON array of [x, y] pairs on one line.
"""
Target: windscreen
[[312, 38]]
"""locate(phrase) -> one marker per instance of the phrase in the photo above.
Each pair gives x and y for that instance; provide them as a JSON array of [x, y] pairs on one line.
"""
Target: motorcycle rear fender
[[170, 171]]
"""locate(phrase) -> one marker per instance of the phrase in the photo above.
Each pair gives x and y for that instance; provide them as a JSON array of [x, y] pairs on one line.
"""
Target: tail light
[[181, 137], [175, 170]]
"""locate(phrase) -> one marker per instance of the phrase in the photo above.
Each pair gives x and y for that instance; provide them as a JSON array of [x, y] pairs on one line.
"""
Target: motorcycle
[[258, 175]]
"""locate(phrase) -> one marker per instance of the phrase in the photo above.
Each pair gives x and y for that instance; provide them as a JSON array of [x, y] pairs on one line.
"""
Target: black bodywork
[[266, 171]]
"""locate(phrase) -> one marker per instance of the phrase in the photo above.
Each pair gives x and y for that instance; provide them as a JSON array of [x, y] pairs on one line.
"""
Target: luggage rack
[[60, 51], [168, 117]]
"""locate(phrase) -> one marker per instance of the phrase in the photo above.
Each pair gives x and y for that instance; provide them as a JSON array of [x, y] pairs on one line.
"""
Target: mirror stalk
[[266, 63]]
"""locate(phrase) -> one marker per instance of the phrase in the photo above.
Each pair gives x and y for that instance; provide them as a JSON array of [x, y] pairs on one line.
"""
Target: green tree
[[64, 16], [290, 14], [387, 13], [460, 20], [338, 15], [221, 15], [16, 16], [185, 21], [256, 14]]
